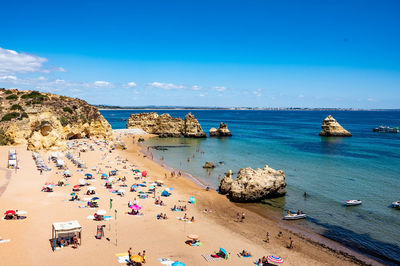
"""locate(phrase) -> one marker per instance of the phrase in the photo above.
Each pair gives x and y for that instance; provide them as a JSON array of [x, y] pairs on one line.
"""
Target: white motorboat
[[396, 204], [353, 202], [295, 216]]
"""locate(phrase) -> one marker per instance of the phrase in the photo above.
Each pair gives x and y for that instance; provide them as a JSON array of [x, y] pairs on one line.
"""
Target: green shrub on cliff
[[12, 97], [8, 92], [67, 109], [16, 107], [64, 121], [10, 116]]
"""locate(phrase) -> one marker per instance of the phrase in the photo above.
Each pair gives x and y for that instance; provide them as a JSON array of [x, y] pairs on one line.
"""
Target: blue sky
[[206, 53]]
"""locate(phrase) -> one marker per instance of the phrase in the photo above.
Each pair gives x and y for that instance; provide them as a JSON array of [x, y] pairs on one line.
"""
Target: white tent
[[12, 163], [60, 163], [66, 228]]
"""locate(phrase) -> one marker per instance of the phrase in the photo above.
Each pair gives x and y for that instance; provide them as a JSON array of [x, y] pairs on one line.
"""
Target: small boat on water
[[353, 202], [386, 129], [396, 204], [294, 216]]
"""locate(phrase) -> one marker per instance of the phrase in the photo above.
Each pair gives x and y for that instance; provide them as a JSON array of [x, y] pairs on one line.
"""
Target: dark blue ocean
[[331, 170]]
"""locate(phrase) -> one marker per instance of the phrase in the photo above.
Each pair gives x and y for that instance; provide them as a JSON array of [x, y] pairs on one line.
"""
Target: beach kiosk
[[66, 230]]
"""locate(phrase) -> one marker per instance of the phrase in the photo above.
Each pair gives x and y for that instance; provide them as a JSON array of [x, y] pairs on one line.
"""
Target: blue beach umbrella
[[105, 175], [178, 263], [95, 198], [88, 175], [223, 251]]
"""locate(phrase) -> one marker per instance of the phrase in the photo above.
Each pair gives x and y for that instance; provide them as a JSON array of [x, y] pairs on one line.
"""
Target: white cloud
[[101, 83], [131, 84], [257, 92], [12, 62], [8, 77], [220, 88], [165, 86], [196, 88]]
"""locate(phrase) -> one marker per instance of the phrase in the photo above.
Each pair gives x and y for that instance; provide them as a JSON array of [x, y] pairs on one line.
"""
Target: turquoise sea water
[[331, 170]]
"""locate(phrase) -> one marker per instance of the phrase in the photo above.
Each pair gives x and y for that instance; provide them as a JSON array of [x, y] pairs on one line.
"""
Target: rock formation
[[166, 126], [331, 128], [254, 185], [209, 165], [44, 120], [222, 131]]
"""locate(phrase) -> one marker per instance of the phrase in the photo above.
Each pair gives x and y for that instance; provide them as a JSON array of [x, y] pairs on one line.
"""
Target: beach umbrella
[[105, 175], [88, 175], [178, 263], [82, 181], [193, 236], [135, 207], [275, 259], [136, 258], [111, 179], [101, 212], [223, 251], [151, 187], [21, 212], [9, 212], [159, 181], [77, 186], [73, 194], [136, 170], [95, 198], [192, 200], [91, 188], [144, 173], [121, 190], [50, 186], [153, 184]]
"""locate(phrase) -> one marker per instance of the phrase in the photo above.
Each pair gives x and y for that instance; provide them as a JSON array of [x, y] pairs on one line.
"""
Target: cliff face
[[330, 127], [222, 131], [44, 121], [254, 185], [166, 126]]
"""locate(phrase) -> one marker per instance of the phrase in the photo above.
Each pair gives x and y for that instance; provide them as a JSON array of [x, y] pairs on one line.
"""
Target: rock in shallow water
[[331, 128], [222, 131], [254, 185]]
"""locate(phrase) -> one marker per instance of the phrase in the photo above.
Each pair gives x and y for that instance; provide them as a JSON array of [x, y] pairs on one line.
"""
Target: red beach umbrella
[[77, 186], [275, 259], [9, 212], [144, 173]]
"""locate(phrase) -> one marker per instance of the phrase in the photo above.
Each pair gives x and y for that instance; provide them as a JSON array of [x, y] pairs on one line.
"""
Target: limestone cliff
[[222, 131], [44, 120], [254, 185], [166, 126], [330, 127]]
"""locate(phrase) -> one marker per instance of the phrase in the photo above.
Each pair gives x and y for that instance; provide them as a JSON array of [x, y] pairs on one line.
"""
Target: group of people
[[159, 202], [162, 216], [179, 208], [136, 263], [66, 242]]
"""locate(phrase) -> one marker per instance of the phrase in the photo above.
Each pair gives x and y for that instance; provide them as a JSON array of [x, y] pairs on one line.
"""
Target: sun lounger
[[209, 258]]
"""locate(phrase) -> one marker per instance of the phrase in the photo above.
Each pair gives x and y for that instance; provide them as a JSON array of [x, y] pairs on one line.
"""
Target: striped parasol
[[275, 259]]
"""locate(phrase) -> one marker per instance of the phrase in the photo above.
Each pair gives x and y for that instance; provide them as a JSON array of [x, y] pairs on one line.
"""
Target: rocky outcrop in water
[[254, 185], [45, 121], [166, 126], [331, 128], [209, 165], [222, 131]]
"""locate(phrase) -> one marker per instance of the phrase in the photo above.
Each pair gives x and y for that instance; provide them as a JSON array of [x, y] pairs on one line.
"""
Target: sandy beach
[[30, 238]]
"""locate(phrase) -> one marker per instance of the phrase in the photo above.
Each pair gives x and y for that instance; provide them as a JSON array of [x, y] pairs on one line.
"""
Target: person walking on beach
[[238, 217], [290, 246], [242, 217], [267, 237], [144, 256]]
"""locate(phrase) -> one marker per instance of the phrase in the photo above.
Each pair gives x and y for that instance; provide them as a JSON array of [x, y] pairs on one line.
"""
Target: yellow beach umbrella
[[136, 258]]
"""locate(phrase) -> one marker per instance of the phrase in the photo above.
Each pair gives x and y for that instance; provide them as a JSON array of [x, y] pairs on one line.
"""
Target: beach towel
[[241, 256], [4, 241], [209, 258], [123, 259], [165, 261]]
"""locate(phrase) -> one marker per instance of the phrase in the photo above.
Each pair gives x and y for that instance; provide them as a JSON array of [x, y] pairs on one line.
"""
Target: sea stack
[[331, 128], [45, 120], [254, 185], [222, 131], [166, 126]]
